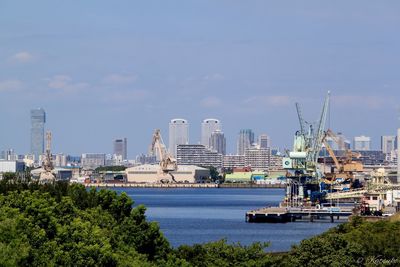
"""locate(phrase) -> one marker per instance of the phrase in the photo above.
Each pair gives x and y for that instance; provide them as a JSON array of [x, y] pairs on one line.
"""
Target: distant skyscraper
[[120, 148], [263, 141], [218, 142], [208, 126], [245, 140], [362, 143], [38, 119], [178, 134], [388, 143], [398, 155]]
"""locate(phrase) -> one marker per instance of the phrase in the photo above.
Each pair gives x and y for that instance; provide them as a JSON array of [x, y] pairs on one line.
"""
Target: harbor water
[[199, 215]]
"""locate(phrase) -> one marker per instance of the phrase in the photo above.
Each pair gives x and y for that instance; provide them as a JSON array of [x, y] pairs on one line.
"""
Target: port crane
[[46, 175], [345, 166], [168, 163], [303, 174]]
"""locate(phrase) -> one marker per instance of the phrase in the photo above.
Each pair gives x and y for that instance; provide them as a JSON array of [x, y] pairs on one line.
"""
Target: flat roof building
[[198, 155]]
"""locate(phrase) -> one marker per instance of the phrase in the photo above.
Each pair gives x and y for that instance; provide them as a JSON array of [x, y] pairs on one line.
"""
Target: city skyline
[[372, 144], [245, 64]]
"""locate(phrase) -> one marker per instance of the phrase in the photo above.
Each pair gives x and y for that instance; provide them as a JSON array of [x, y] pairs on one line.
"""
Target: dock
[[291, 214], [182, 185]]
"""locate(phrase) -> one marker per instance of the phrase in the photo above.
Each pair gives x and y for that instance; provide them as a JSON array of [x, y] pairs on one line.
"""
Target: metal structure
[[302, 162], [168, 163], [345, 167], [47, 165]]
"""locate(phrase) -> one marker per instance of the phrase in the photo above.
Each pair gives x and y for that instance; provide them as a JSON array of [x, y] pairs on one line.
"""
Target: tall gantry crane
[[168, 163], [303, 173]]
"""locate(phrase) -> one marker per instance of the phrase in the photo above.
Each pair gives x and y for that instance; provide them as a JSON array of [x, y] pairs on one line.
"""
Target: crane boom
[[167, 162], [301, 120]]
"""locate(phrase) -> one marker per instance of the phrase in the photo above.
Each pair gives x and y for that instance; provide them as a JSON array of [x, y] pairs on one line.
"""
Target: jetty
[[291, 214]]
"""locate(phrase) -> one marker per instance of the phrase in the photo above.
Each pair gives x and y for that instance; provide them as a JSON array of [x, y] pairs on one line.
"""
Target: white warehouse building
[[151, 174]]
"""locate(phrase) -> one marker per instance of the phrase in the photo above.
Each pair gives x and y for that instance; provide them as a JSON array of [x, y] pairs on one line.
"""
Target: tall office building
[[178, 134], [218, 142], [120, 148], [208, 126], [362, 143], [245, 140], [263, 141], [388, 143], [38, 119]]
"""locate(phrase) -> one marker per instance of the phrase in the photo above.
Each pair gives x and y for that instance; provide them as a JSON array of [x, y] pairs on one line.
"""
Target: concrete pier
[[291, 214]]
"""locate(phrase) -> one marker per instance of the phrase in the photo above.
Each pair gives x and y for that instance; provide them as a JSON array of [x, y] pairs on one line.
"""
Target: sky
[[109, 69]]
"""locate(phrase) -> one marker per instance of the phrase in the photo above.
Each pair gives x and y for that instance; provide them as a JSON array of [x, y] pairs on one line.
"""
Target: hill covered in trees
[[67, 225]]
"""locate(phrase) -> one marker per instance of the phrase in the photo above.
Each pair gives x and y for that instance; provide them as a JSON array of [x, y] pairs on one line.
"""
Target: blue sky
[[108, 69]]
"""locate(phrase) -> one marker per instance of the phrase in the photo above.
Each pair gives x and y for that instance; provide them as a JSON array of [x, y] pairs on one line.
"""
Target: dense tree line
[[68, 225]]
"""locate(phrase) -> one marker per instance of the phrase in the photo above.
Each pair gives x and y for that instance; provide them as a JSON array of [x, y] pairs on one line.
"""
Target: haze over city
[[102, 73]]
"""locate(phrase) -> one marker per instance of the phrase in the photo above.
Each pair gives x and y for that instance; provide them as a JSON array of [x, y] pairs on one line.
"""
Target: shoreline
[[160, 185]]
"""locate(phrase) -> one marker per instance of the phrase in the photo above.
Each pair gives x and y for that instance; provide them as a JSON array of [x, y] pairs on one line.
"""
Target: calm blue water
[[188, 216]]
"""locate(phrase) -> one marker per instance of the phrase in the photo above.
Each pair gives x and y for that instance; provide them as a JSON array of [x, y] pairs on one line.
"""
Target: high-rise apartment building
[[362, 142], [233, 161], [218, 142], [38, 119], [198, 155], [257, 158], [264, 141], [178, 134], [120, 148], [388, 143], [245, 140], [208, 126], [93, 160]]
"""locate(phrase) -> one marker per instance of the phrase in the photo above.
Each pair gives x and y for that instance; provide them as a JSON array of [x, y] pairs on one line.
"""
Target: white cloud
[[273, 100], [126, 96], [23, 57], [210, 102], [65, 83], [120, 78], [363, 101], [10, 85]]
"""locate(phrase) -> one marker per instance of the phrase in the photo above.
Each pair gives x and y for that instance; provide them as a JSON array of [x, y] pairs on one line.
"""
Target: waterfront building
[[208, 126], [388, 143], [257, 158], [151, 174], [245, 140], [38, 119], [362, 143], [233, 161], [218, 142], [198, 155], [264, 141], [93, 160], [11, 166], [120, 148], [178, 134]]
